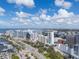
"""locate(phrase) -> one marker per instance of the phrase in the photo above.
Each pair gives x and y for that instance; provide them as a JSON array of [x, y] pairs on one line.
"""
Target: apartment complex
[[72, 46], [32, 36]]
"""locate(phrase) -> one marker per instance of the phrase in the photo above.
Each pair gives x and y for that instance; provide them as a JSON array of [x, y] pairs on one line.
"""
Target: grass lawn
[[14, 56], [51, 53]]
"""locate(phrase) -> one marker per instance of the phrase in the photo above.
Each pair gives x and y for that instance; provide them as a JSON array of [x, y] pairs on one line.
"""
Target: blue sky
[[39, 13]]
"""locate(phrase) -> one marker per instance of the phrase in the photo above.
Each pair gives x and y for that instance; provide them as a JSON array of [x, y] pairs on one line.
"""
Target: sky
[[39, 14]]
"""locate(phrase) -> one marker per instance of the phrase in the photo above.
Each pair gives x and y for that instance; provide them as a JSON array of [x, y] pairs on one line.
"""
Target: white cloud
[[22, 14], [44, 16], [60, 20], [28, 3], [2, 11], [62, 3], [63, 16], [22, 18], [43, 11], [35, 18], [26, 18], [17, 20], [75, 21], [66, 5], [48, 18], [59, 2], [69, 22], [63, 13], [24, 21]]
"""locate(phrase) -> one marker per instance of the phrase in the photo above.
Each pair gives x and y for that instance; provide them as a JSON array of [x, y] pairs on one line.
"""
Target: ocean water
[[3, 30]]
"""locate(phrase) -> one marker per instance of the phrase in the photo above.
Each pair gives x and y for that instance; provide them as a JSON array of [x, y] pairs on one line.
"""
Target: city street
[[33, 51]]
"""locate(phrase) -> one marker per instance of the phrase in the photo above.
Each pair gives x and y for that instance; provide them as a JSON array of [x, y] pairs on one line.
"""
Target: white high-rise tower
[[50, 39]]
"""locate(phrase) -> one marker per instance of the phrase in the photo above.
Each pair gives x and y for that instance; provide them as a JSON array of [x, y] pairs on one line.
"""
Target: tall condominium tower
[[50, 40]]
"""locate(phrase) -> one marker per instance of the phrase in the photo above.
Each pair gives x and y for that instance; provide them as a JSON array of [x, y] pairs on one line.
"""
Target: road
[[28, 48], [33, 50]]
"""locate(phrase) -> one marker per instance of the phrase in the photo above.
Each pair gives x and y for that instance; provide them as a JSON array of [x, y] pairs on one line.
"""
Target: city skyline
[[39, 13]]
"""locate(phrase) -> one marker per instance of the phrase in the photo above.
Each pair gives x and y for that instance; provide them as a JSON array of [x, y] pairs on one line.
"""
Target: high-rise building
[[50, 39]]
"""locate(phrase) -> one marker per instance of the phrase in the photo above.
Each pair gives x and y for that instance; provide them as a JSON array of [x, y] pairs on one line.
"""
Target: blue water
[[3, 30]]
